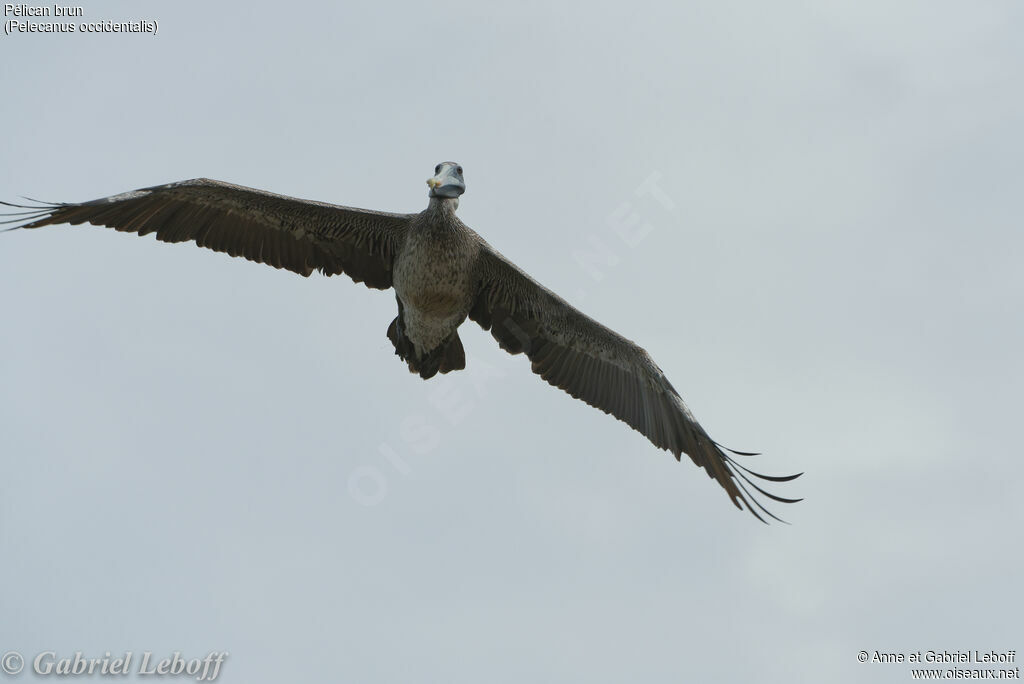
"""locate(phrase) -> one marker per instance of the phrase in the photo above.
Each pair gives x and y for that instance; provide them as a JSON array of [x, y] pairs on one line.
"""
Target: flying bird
[[442, 273]]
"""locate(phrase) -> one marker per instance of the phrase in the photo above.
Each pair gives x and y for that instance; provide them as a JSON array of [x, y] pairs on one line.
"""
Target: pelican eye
[[437, 169], [458, 170]]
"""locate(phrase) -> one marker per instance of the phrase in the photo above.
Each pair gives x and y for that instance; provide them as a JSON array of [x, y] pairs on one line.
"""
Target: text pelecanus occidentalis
[[442, 273]]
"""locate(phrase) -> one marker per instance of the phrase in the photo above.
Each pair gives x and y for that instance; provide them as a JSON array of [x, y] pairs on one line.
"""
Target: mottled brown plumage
[[442, 273]]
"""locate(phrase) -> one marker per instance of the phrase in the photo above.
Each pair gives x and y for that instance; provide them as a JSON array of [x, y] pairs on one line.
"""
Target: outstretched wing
[[591, 362], [283, 232]]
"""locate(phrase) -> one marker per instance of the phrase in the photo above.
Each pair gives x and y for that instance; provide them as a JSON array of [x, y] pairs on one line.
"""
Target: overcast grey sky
[[203, 454]]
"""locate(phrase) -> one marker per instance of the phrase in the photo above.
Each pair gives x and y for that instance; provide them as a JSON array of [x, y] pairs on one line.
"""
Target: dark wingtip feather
[[23, 219], [52, 205], [773, 497], [30, 215], [748, 498], [769, 478], [739, 477], [40, 205], [733, 451], [35, 210]]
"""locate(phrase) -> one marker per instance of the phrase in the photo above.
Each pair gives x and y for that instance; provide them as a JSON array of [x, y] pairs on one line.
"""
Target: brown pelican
[[442, 273]]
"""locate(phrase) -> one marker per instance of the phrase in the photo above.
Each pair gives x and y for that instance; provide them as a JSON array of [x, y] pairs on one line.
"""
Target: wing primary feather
[[738, 453], [28, 210], [769, 478], [746, 498], [753, 484], [21, 206], [23, 220]]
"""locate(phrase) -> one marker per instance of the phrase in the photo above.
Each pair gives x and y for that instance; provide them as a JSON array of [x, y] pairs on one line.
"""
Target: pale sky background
[[189, 442]]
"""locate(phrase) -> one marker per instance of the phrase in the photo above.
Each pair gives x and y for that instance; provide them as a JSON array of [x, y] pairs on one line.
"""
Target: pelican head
[[447, 182]]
